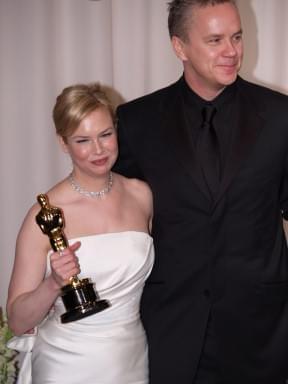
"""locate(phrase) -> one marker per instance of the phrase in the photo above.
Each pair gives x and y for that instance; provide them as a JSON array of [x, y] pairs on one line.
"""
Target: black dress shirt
[[224, 120]]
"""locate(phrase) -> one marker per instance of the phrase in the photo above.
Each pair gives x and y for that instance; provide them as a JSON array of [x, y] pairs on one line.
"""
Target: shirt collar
[[191, 98]]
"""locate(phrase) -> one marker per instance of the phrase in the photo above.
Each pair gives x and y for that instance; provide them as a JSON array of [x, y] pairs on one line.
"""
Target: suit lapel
[[246, 132], [177, 132]]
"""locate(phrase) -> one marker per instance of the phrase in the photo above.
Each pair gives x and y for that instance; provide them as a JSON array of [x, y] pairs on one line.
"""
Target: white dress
[[108, 347]]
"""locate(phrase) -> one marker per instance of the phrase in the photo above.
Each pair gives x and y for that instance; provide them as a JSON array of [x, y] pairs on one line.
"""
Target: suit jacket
[[228, 257]]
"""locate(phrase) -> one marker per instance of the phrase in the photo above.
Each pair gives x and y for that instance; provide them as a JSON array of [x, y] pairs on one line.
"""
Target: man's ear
[[63, 144], [179, 48]]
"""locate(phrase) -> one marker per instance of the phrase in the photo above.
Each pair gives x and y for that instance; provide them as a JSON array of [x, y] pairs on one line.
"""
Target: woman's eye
[[79, 141]]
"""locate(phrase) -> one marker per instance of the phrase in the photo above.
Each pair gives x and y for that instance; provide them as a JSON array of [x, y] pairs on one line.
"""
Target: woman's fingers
[[65, 264]]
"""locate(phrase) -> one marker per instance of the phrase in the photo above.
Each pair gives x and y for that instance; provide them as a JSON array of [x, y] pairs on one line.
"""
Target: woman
[[107, 223]]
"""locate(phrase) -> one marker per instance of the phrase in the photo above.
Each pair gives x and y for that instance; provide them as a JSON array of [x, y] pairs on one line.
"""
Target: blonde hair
[[74, 103]]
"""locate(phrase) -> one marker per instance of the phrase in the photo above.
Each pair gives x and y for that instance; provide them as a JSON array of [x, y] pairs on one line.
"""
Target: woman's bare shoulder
[[60, 192], [55, 196], [135, 186], [137, 194]]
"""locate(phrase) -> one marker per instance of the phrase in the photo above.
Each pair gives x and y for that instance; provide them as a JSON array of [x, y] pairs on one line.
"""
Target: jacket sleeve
[[126, 163], [284, 193]]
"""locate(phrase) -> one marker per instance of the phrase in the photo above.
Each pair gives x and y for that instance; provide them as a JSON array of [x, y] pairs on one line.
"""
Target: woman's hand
[[65, 264]]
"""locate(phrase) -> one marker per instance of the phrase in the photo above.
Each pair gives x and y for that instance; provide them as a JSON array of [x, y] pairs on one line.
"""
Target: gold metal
[[79, 296]]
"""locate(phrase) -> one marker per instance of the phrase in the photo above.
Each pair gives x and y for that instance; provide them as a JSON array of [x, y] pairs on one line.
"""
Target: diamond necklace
[[94, 194]]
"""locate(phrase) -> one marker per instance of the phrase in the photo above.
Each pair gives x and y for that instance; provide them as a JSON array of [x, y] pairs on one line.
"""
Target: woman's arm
[[30, 294]]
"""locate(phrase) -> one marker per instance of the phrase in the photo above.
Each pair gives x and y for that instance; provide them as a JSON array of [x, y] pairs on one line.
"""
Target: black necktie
[[209, 151]]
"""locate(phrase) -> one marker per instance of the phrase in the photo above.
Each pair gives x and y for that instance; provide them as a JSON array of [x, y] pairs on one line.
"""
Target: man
[[215, 308]]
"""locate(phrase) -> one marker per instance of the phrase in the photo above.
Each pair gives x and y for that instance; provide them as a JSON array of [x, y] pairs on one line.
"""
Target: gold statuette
[[79, 296]]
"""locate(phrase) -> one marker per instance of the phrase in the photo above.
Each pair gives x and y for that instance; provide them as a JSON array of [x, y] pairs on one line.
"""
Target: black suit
[[227, 257]]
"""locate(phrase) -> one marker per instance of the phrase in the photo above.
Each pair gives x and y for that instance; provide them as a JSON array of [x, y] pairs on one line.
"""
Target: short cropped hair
[[180, 13]]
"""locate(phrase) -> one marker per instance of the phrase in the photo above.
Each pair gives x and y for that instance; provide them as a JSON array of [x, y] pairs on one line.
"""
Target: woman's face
[[93, 146]]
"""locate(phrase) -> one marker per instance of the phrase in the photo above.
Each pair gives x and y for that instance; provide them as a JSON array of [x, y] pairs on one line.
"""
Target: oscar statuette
[[79, 296]]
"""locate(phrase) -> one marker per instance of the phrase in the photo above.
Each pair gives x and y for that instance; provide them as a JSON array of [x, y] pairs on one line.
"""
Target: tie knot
[[208, 113]]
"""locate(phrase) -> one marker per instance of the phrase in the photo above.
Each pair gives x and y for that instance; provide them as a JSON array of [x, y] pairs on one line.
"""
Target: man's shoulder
[[264, 100], [151, 99], [260, 91]]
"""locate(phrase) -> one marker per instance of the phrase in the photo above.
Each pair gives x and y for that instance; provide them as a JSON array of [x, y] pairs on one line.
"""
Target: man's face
[[213, 51]]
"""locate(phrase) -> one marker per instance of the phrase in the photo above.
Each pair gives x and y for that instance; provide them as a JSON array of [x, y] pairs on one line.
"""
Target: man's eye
[[238, 37], [215, 40]]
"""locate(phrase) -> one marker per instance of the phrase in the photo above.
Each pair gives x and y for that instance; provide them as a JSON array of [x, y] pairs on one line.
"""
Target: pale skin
[[128, 206], [212, 53]]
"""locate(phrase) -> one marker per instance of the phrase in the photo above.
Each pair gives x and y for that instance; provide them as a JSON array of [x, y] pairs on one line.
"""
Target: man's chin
[[228, 79]]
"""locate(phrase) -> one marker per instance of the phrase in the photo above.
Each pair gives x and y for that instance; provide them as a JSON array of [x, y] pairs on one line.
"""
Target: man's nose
[[230, 49]]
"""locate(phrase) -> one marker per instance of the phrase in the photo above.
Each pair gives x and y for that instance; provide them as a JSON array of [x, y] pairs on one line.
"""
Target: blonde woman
[[108, 221]]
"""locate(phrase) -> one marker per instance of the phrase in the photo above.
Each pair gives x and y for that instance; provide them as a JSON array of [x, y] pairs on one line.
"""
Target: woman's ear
[[63, 144]]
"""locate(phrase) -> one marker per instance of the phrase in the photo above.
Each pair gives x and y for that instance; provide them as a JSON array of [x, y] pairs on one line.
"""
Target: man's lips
[[229, 67]]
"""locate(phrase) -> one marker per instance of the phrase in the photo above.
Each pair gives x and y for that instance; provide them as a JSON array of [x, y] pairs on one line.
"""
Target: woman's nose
[[97, 147]]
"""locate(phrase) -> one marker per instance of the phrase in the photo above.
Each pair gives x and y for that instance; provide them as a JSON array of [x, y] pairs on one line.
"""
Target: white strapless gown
[[108, 347]]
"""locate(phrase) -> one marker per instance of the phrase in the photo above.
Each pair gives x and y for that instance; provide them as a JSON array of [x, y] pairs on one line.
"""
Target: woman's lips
[[100, 161]]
